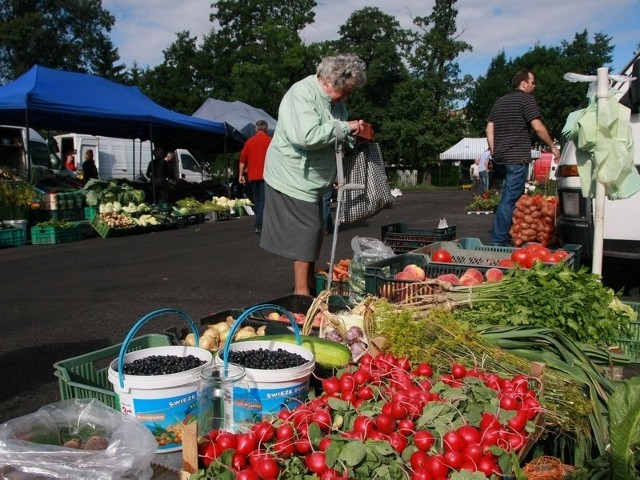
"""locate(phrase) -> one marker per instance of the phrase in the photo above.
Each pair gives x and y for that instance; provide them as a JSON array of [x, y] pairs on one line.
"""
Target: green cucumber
[[327, 353]]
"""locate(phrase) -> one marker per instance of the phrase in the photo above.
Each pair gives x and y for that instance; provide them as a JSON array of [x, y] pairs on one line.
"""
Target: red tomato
[[553, 258], [563, 253], [441, 255], [506, 262], [522, 257]]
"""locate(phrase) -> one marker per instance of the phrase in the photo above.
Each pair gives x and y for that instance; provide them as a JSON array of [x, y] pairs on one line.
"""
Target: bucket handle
[[139, 324], [245, 314]]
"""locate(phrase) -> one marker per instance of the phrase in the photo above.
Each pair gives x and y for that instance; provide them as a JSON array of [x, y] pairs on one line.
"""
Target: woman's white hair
[[343, 70]]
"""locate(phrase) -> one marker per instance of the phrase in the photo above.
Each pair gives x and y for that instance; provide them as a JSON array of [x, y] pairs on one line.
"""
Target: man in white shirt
[[483, 169]]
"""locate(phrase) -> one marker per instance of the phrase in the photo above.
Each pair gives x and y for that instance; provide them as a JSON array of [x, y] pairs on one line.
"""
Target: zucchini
[[327, 353]]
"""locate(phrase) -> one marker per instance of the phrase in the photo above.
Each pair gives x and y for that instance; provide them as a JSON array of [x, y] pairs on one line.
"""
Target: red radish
[[316, 462]]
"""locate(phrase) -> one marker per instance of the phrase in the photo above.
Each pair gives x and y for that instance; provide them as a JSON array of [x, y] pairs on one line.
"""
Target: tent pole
[[602, 93], [226, 161], [153, 173]]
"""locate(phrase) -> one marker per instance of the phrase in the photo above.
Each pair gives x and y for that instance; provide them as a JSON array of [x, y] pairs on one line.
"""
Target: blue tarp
[[49, 99]]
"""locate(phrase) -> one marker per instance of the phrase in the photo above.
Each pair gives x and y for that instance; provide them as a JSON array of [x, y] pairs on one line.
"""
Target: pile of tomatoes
[[534, 220], [533, 252], [432, 425]]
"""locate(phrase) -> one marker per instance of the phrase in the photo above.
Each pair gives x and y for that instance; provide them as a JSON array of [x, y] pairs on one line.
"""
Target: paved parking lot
[[59, 301]]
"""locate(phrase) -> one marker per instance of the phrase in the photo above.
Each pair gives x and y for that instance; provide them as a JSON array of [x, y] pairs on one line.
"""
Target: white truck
[[575, 221], [122, 158], [13, 154]]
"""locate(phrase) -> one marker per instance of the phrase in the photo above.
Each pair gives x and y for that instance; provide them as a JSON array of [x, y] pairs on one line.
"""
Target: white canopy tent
[[471, 148]]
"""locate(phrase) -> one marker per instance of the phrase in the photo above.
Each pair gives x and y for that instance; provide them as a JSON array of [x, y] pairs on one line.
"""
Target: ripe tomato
[[563, 253], [522, 257], [441, 255], [506, 262], [553, 258]]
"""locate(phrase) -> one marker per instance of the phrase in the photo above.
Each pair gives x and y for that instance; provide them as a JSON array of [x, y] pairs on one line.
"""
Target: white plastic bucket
[[266, 392], [164, 403]]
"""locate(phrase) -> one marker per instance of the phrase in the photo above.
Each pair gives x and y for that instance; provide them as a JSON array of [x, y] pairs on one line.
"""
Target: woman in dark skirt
[[301, 163]]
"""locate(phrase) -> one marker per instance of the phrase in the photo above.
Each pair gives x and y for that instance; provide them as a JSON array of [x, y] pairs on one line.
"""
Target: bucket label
[[251, 405], [165, 417]]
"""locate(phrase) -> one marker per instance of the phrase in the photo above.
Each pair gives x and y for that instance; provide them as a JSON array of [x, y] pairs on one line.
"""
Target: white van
[[621, 225], [13, 154], [126, 158]]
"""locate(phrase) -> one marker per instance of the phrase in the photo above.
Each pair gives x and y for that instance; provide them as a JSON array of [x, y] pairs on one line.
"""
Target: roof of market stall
[[49, 99], [470, 149]]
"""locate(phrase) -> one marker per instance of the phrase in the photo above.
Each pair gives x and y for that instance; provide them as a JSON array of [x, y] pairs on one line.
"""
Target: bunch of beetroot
[[385, 416]]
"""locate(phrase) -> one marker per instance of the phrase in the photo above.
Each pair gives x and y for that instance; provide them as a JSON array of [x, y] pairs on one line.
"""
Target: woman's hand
[[355, 126]]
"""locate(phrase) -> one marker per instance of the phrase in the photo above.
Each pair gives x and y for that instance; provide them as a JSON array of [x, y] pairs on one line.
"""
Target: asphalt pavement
[[60, 301]]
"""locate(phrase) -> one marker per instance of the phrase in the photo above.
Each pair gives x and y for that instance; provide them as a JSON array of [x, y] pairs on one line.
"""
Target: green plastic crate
[[337, 288], [87, 376], [403, 239], [379, 276], [105, 231], [12, 237], [49, 235], [471, 252], [630, 344], [90, 213]]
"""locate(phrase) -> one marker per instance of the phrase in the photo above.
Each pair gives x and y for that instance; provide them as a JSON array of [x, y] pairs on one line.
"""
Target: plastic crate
[[90, 213], [190, 218], [12, 237], [403, 239], [49, 235], [105, 231], [337, 288], [86, 376], [630, 342], [470, 252], [379, 277]]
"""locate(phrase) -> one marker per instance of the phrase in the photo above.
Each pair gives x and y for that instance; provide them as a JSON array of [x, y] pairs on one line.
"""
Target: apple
[[474, 272], [452, 278], [494, 275], [415, 271]]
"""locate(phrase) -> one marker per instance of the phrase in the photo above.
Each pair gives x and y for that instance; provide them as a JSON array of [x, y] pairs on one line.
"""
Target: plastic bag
[[31, 444], [366, 250]]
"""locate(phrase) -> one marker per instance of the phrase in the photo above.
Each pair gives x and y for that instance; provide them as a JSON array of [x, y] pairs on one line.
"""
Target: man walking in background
[[252, 160], [508, 134], [483, 170]]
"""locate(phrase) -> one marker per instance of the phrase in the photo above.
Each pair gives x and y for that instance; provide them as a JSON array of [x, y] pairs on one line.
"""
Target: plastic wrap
[[366, 250], [30, 446]]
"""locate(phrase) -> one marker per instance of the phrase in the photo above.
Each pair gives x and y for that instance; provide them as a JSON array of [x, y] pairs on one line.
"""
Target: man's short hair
[[261, 125]]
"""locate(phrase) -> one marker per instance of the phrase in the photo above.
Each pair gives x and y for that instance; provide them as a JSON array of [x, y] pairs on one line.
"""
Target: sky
[[144, 28]]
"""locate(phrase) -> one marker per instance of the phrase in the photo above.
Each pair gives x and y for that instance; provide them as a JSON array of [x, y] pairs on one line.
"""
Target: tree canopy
[[415, 96]]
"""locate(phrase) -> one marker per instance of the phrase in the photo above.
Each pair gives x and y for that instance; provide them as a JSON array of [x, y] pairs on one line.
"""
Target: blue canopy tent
[[49, 99]]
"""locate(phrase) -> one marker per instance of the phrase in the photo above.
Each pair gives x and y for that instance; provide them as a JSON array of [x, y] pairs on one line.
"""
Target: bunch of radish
[[534, 220], [432, 426]]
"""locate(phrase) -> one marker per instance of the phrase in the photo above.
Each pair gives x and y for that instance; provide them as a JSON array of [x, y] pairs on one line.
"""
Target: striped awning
[[470, 149]]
